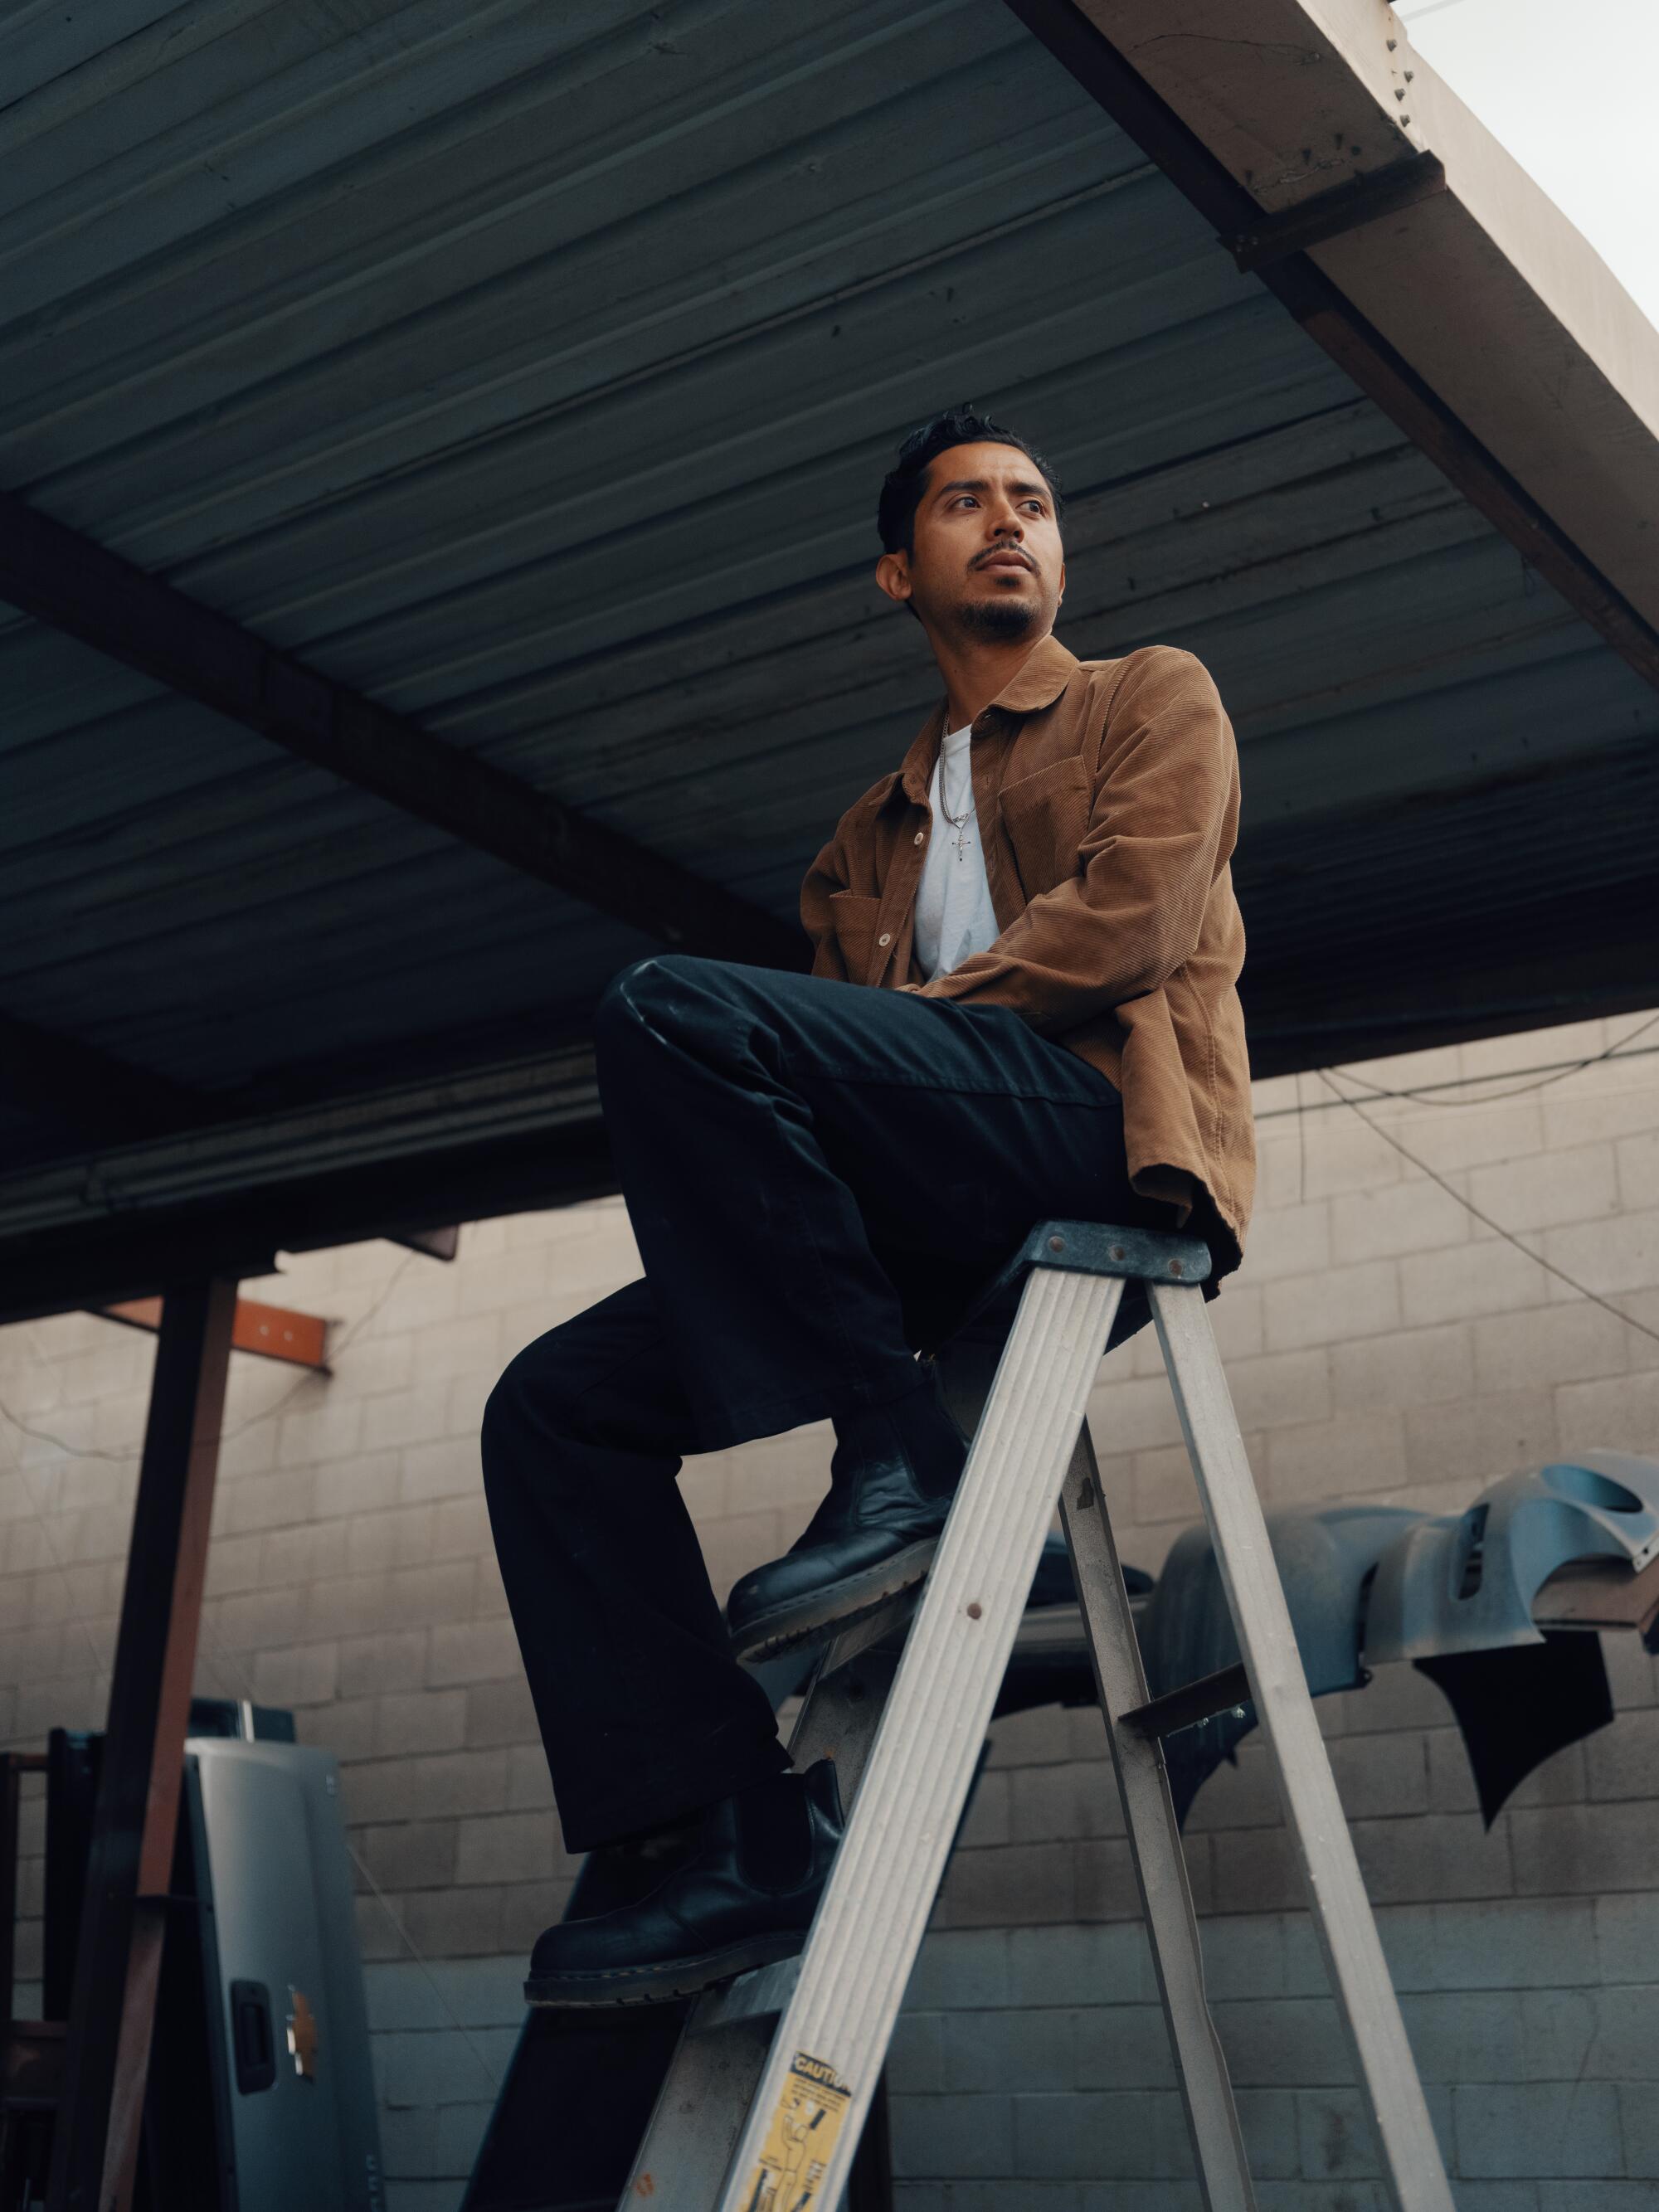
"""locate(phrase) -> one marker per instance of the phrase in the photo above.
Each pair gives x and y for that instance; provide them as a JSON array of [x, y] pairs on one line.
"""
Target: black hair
[[902, 491]]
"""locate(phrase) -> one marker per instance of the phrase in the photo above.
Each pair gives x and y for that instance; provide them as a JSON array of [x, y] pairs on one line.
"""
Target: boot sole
[[837, 1605], [665, 1980]]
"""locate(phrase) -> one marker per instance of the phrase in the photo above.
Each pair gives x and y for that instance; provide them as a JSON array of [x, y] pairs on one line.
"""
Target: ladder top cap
[[1098, 1248]]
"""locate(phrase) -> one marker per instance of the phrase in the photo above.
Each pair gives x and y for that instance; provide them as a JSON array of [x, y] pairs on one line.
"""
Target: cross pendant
[[962, 842]]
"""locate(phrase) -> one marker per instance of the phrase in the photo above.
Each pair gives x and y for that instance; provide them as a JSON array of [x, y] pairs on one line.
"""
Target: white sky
[[1571, 88]]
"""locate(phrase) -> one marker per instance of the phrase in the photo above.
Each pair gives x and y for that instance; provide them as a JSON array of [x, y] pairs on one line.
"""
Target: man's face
[[985, 561]]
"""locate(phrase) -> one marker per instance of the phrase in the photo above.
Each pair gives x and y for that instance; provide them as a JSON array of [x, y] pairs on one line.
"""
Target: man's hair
[[901, 492]]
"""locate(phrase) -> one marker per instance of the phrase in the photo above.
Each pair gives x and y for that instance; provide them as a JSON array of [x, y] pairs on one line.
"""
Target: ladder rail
[[1412, 2170], [870, 1924]]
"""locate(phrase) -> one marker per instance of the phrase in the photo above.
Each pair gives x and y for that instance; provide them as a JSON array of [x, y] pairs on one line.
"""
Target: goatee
[[996, 619]]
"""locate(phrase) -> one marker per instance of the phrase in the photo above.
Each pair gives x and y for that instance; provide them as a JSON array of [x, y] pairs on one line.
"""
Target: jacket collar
[[1036, 683]]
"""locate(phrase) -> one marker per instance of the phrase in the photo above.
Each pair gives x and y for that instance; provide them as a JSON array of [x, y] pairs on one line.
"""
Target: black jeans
[[819, 1176]]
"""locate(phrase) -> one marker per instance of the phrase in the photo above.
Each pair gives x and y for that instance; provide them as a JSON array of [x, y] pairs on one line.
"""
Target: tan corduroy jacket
[[1107, 794]]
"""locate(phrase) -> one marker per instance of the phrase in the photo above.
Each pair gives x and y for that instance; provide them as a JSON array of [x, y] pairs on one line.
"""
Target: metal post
[[118, 1964]]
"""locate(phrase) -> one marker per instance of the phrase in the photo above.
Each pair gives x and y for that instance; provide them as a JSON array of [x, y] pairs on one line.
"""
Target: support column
[[118, 1963]]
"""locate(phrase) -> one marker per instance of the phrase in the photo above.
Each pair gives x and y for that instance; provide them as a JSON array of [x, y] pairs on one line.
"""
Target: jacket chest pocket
[[1045, 816], [853, 915]]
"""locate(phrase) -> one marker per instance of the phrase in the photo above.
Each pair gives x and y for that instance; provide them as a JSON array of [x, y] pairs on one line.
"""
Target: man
[[817, 1169]]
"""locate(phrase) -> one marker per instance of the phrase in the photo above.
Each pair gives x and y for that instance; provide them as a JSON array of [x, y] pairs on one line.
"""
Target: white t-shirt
[[954, 914]]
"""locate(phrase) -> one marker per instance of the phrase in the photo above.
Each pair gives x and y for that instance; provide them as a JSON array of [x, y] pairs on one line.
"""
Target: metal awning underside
[[531, 371]]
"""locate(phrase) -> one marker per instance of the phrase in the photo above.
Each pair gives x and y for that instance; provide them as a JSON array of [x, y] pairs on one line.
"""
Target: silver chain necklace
[[958, 822]]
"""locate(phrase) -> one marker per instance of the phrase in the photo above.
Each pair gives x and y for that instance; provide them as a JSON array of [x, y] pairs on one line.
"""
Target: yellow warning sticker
[[800, 2140]]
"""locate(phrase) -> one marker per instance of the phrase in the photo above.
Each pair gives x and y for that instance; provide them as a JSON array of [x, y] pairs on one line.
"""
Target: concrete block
[[1513, 1943], [1537, 2130], [346, 1727], [1049, 1803], [420, 1720], [446, 1467], [1160, 1485], [369, 1664], [1115, 2047], [1627, 1936], [1487, 1276], [529, 1784], [1243, 1956], [1088, 1966], [471, 1346], [404, 1417], [444, 1992], [1542, 1190], [451, 1924], [1618, 1413], [1406, 1368], [1293, 1239], [304, 1674], [1098, 2135], [1353, 1453], [460, 1529], [1040, 1737], [1137, 1413], [945, 2136], [1254, 1871], [916, 2056], [1381, 1777], [1010, 1886], [1277, 2042], [473, 1651], [1267, 2118], [412, 1855], [1415, 1216], [1597, 2197], [375, 1543], [459, 2132], [1582, 1850], [313, 1435], [503, 1847], [366, 1483], [528, 1907], [426, 1597], [1242, 1795], [1282, 1388], [444, 1784], [1639, 2124], [1623, 1760], [501, 1712], [960, 1969], [1035, 2049], [1547, 1345], [1359, 1301], [1619, 1254], [1475, 1440], [1472, 2035], [1438, 1856], [1105, 1887]]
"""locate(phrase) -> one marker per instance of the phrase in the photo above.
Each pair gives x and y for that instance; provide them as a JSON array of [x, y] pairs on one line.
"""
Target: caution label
[[801, 2139]]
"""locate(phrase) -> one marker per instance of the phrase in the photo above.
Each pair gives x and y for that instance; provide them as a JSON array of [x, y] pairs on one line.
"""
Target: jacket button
[[886, 937], [921, 836]]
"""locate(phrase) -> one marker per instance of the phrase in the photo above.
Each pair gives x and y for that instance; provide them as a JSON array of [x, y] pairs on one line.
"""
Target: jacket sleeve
[[1162, 824], [826, 876]]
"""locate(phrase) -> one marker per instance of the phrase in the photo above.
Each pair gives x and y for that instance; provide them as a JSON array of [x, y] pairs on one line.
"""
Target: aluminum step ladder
[[762, 2108]]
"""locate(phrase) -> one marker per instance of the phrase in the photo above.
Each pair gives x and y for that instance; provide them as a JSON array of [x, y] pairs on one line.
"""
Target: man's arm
[[1163, 822], [826, 876]]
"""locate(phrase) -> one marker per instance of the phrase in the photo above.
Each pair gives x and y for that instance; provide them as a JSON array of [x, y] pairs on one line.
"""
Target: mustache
[[1001, 553]]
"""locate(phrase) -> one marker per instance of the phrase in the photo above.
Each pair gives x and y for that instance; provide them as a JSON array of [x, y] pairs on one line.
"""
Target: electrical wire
[[1497, 1227]]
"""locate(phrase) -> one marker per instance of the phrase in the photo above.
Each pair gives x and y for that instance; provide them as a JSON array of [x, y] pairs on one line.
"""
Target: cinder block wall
[[1381, 1342]]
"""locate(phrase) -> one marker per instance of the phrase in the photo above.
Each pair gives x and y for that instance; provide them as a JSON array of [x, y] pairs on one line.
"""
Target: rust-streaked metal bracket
[[272, 1332]]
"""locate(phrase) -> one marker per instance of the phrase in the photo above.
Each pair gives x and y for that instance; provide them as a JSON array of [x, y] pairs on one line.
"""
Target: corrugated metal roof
[[534, 370]]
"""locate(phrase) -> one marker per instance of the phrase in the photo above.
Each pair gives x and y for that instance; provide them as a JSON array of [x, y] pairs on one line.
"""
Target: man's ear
[[1062, 587], [893, 575]]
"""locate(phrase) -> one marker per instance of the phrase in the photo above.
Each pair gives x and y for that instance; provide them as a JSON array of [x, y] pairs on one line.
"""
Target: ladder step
[[1192, 1703], [761, 1994]]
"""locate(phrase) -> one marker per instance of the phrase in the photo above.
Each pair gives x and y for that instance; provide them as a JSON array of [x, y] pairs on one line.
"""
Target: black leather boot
[[892, 1481], [744, 1898]]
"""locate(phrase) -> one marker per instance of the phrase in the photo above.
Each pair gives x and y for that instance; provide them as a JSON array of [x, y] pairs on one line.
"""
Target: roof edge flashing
[[1485, 289]]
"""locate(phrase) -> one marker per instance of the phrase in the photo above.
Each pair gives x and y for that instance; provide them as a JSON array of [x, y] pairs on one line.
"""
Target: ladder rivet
[[1056, 1243], [1238, 1712], [1117, 1251], [975, 1610], [1174, 1267]]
